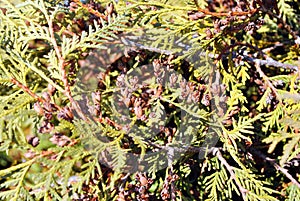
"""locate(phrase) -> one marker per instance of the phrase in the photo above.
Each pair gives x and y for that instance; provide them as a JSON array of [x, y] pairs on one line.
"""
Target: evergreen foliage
[[64, 137]]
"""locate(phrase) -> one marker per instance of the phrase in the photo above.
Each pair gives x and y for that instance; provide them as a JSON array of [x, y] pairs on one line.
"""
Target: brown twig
[[266, 79], [285, 25], [61, 64], [276, 166], [216, 14], [73, 142], [27, 90], [91, 10], [110, 122], [271, 62], [206, 12], [220, 56], [268, 61], [31, 93], [232, 174], [170, 156]]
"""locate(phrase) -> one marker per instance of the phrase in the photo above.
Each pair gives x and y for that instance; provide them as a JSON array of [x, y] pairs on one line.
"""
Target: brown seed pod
[[205, 100], [143, 180], [138, 112], [196, 16], [209, 34], [65, 114], [29, 154], [46, 127], [156, 64], [51, 89], [33, 140], [46, 96], [3, 10], [60, 139], [38, 108]]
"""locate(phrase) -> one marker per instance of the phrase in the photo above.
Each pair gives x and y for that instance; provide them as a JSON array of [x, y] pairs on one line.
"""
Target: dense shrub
[[149, 100]]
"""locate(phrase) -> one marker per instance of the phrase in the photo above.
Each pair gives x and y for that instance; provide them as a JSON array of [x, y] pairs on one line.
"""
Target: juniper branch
[[206, 12], [61, 64], [268, 61], [285, 25], [266, 79], [276, 166], [232, 174], [271, 62], [26, 89]]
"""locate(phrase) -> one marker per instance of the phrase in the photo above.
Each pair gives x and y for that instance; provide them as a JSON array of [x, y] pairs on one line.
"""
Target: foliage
[[84, 84]]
